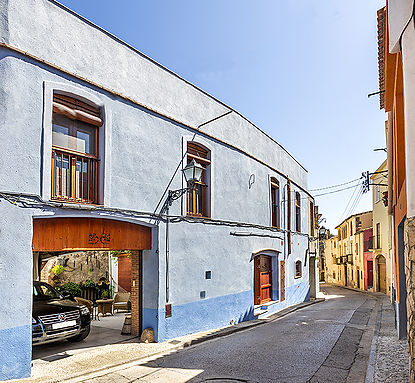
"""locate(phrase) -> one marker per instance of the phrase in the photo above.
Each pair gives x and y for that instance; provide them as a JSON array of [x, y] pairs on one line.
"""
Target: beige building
[[380, 241], [333, 274], [347, 255]]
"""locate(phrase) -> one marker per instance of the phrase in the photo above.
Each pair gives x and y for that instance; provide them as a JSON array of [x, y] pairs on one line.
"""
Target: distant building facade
[[347, 256], [380, 244]]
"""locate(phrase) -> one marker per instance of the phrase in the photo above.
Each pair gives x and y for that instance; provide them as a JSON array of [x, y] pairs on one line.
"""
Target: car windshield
[[44, 291]]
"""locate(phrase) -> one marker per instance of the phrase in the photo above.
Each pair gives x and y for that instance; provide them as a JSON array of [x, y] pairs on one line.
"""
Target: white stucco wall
[[399, 14], [408, 58], [139, 151], [94, 54]]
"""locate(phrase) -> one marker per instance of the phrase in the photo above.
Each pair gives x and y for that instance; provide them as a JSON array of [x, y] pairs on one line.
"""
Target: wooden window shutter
[[76, 109]]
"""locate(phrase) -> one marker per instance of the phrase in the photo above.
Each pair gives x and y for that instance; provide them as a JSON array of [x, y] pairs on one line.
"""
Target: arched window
[[298, 269], [74, 150], [275, 203], [197, 198]]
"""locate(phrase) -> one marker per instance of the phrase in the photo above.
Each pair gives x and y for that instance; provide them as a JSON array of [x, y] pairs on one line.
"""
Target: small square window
[[208, 274], [202, 294]]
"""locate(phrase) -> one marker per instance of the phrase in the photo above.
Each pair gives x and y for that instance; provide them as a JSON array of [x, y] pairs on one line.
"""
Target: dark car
[[56, 316]]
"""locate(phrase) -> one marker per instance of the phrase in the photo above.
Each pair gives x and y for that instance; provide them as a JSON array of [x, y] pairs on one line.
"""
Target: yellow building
[[380, 242], [330, 256], [347, 255]]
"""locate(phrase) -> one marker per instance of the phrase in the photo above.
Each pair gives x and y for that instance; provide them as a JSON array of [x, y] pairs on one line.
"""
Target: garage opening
[[86, 265]]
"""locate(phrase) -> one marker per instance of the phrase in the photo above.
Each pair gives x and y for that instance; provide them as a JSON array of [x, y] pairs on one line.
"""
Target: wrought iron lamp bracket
[[173, 195]]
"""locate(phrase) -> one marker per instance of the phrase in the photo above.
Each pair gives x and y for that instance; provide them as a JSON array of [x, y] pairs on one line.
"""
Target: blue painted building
[[94, 131]]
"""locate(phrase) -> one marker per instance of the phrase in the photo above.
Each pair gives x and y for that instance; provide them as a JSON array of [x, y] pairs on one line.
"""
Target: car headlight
[[33, 321], [84, 310]]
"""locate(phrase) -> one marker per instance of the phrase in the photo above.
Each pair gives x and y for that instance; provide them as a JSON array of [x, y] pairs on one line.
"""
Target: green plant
[[117, 253], [58, 269], [88, 283], [72, 288], [105, 294]]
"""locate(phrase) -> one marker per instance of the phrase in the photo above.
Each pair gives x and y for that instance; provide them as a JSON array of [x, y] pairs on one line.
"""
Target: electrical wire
[[348, 203], [335, 186], [34, 201], [356, 202], [336, 191], [184, 156]]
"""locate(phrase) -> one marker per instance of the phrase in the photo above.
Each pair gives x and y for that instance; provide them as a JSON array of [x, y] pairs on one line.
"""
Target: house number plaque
[[105, 238]]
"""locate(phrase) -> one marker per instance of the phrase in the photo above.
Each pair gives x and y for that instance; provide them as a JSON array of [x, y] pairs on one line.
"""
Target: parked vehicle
[[55, 316]]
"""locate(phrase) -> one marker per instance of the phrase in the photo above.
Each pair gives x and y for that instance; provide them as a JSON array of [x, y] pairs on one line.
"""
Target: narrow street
[[326, 342]]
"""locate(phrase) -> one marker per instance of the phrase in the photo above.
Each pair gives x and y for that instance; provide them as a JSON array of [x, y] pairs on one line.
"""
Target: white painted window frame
[[104, 138]]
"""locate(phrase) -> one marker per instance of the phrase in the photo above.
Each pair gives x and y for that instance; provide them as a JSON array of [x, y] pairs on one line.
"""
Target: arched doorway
[[69, 234], [267, 269], [262, 279], [381, 271]]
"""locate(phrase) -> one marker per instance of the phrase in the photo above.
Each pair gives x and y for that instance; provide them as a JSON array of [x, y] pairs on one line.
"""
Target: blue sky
[[300, 70]]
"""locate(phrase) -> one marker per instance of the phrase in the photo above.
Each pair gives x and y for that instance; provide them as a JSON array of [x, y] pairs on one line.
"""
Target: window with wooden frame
[[297, 212], [275, 203], [298, 269], [74, 150], [197, 198]]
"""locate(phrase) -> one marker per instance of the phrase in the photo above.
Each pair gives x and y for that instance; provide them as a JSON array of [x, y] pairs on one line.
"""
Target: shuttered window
[[275, 203], [74, 150], [297, 212], [197, 198]]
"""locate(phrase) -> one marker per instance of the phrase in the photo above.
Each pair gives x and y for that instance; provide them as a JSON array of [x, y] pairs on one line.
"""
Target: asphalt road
[[325, 342]]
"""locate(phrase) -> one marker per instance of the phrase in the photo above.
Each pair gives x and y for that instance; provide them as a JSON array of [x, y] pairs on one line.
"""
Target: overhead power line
[[335, 186], [349, 202], [336, 191]]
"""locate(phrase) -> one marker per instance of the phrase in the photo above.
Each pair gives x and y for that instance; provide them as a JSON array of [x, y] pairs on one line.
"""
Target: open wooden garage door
[[83, 234]]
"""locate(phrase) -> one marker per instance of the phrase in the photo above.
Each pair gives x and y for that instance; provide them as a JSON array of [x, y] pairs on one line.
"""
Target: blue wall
[[205, 314], [215, 312], [295, 294], [15, 352]]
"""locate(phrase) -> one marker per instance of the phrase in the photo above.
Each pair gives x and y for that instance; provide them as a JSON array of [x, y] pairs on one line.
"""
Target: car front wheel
[[81, 336]]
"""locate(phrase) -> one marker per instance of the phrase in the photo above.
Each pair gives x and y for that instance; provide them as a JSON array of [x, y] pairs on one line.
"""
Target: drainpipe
[[285, 211], [167, 254]]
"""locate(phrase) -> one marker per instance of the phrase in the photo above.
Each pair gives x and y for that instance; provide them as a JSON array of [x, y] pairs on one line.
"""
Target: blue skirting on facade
[[293, 295], [15, 352], [215, 312]]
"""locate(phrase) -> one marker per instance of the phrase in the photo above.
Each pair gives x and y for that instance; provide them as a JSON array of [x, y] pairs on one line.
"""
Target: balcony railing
[[74, 177], [373, 243], [368, 245]]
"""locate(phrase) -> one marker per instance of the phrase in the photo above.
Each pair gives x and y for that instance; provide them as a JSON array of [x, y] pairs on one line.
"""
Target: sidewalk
[[88, 363], [389, 356]]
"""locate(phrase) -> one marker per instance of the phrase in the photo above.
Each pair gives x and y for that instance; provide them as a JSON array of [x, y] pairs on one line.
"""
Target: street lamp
[[192, 172]]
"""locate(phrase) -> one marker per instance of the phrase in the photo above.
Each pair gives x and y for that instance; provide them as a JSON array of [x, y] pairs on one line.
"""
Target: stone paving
[[391, 359]]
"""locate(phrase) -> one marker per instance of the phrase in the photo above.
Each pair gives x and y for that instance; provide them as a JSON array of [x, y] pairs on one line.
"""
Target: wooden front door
[[282, 274], [382, 274], [369, 274], [262, 279]]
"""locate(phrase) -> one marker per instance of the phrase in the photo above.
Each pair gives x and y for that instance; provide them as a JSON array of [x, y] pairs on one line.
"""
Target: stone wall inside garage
[[79, 267]]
